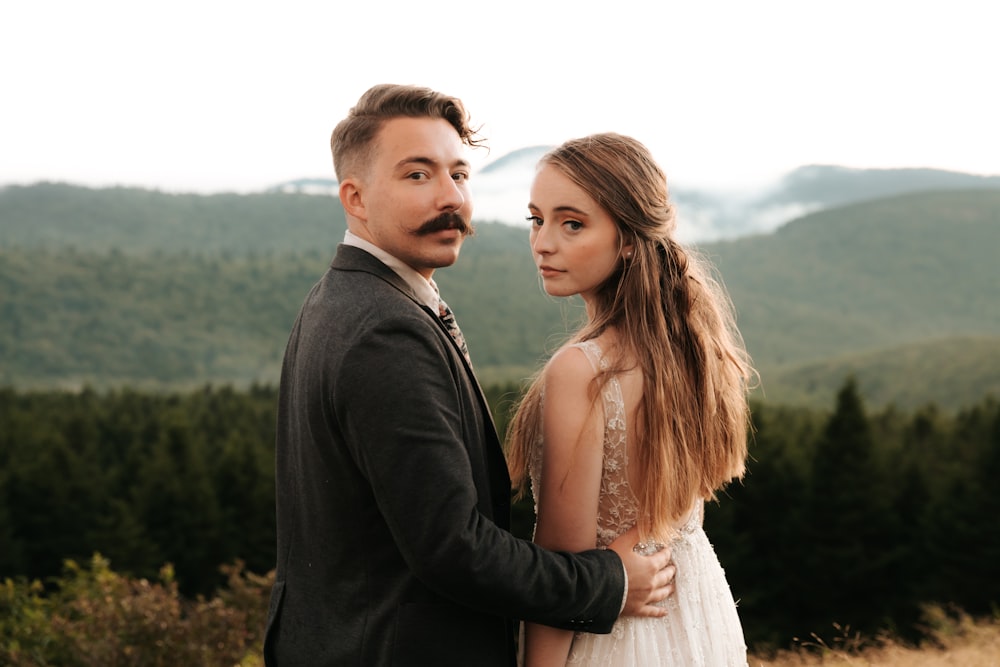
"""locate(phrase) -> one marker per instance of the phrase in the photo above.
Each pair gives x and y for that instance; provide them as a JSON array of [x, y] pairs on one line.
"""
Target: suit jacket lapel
[[350, 258]]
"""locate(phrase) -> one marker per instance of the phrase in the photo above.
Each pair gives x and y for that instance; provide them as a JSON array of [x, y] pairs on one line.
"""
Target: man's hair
[[353, 138]]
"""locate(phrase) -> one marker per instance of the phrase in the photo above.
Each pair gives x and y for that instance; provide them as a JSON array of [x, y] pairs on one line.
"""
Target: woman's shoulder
[[570, 364], [604, 352]]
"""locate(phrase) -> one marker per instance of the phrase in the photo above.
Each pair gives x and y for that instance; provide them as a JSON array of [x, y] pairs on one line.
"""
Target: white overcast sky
[[210, 95]]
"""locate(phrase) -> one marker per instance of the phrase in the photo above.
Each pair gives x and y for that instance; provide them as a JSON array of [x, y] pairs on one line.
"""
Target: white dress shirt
[[426, 290]]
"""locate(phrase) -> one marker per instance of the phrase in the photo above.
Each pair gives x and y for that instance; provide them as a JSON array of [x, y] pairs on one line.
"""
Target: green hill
[[125, 286], [868, 276], [953, 373], [70, 317], [889, 291], [49, 215]]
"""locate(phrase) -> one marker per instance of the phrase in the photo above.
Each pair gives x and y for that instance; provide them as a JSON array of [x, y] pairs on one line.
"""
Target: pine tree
[[848, 505], [176, 503], [964, 564]]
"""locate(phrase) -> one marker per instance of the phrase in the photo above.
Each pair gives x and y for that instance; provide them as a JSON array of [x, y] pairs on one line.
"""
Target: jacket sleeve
[[406, 421]]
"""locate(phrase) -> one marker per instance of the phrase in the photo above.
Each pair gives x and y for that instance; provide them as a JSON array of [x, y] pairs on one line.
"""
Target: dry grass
[[955, 640]]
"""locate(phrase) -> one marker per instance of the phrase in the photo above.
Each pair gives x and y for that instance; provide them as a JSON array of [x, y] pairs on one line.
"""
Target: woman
[[645, 409]]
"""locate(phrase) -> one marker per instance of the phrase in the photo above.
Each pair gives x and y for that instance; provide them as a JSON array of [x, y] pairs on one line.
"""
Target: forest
[[103, 288], [846, 518], [140, 341]]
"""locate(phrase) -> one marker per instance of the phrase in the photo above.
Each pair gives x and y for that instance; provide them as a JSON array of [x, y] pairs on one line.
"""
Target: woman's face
[[575, 242]]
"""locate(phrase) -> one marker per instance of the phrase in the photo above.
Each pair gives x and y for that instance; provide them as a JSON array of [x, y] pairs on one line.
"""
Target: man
[[393, 496]]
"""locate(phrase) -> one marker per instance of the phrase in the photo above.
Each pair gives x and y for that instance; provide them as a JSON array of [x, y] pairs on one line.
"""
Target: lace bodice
[[701, 628], [618, 508]]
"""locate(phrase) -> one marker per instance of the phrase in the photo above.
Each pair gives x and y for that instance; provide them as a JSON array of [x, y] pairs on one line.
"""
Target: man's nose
[[451, 196]]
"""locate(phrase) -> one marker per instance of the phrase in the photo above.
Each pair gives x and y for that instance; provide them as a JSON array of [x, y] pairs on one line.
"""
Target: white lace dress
[[701, 628]]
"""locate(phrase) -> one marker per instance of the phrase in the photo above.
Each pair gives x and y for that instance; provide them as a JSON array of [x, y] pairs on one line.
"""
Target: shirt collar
[[426, 290]]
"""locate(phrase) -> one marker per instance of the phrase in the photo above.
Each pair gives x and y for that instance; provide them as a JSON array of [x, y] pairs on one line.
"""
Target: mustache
[[447, 220]]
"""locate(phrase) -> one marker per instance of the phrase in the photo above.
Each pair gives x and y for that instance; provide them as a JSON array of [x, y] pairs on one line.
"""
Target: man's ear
[[351, 198]]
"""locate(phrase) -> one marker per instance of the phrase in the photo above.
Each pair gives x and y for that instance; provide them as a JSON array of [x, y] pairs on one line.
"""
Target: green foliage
[[144, 479], [848, 518], [859, 520], [76, 319], [93, 616], [951, 372], [106, 288], [867, 277], [851, 516], [759, 525], [845, 515], [145, 222]]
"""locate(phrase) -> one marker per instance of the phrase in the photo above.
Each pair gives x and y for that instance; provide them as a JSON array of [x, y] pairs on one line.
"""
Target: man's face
[[415, 195]]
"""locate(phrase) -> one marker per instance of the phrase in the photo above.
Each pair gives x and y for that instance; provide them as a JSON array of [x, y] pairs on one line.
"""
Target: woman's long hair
[[674, 321]]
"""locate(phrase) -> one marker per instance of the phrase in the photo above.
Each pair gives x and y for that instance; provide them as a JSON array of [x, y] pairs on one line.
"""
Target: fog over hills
[[500, 190]]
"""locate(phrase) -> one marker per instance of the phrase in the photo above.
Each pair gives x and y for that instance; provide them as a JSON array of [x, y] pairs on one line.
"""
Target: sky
[[236, 96]]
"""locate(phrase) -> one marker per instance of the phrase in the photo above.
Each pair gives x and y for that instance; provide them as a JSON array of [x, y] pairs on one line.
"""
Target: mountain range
[[893, 279]]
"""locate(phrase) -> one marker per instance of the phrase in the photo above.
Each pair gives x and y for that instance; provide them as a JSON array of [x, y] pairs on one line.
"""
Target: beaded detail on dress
[[619, 508], [702, 627]]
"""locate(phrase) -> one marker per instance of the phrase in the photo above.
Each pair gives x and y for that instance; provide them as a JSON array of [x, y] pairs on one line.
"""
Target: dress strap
[[618, 507], [594, 354]]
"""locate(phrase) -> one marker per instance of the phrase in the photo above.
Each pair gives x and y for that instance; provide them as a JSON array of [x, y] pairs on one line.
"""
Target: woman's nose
[[540, 241]]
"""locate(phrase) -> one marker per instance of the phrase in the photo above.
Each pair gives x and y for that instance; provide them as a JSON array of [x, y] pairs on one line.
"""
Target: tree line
[[845, 519]]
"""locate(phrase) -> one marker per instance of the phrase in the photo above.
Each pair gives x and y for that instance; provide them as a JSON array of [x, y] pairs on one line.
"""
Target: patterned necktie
[[448, 318]]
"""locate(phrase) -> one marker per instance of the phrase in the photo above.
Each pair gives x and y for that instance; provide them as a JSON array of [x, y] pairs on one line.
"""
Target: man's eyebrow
[[430, 162]]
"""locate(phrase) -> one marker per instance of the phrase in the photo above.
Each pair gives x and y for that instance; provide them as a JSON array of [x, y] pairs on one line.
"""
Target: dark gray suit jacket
[[393, 497]]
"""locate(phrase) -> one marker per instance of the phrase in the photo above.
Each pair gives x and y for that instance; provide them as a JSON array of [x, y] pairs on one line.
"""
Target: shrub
[[93, 616]]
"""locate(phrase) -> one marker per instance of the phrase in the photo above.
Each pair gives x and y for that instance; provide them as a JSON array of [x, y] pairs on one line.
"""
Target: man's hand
[[650, 577]]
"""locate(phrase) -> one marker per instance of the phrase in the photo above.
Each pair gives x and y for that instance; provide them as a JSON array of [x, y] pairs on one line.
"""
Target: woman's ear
[[351, 198]]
